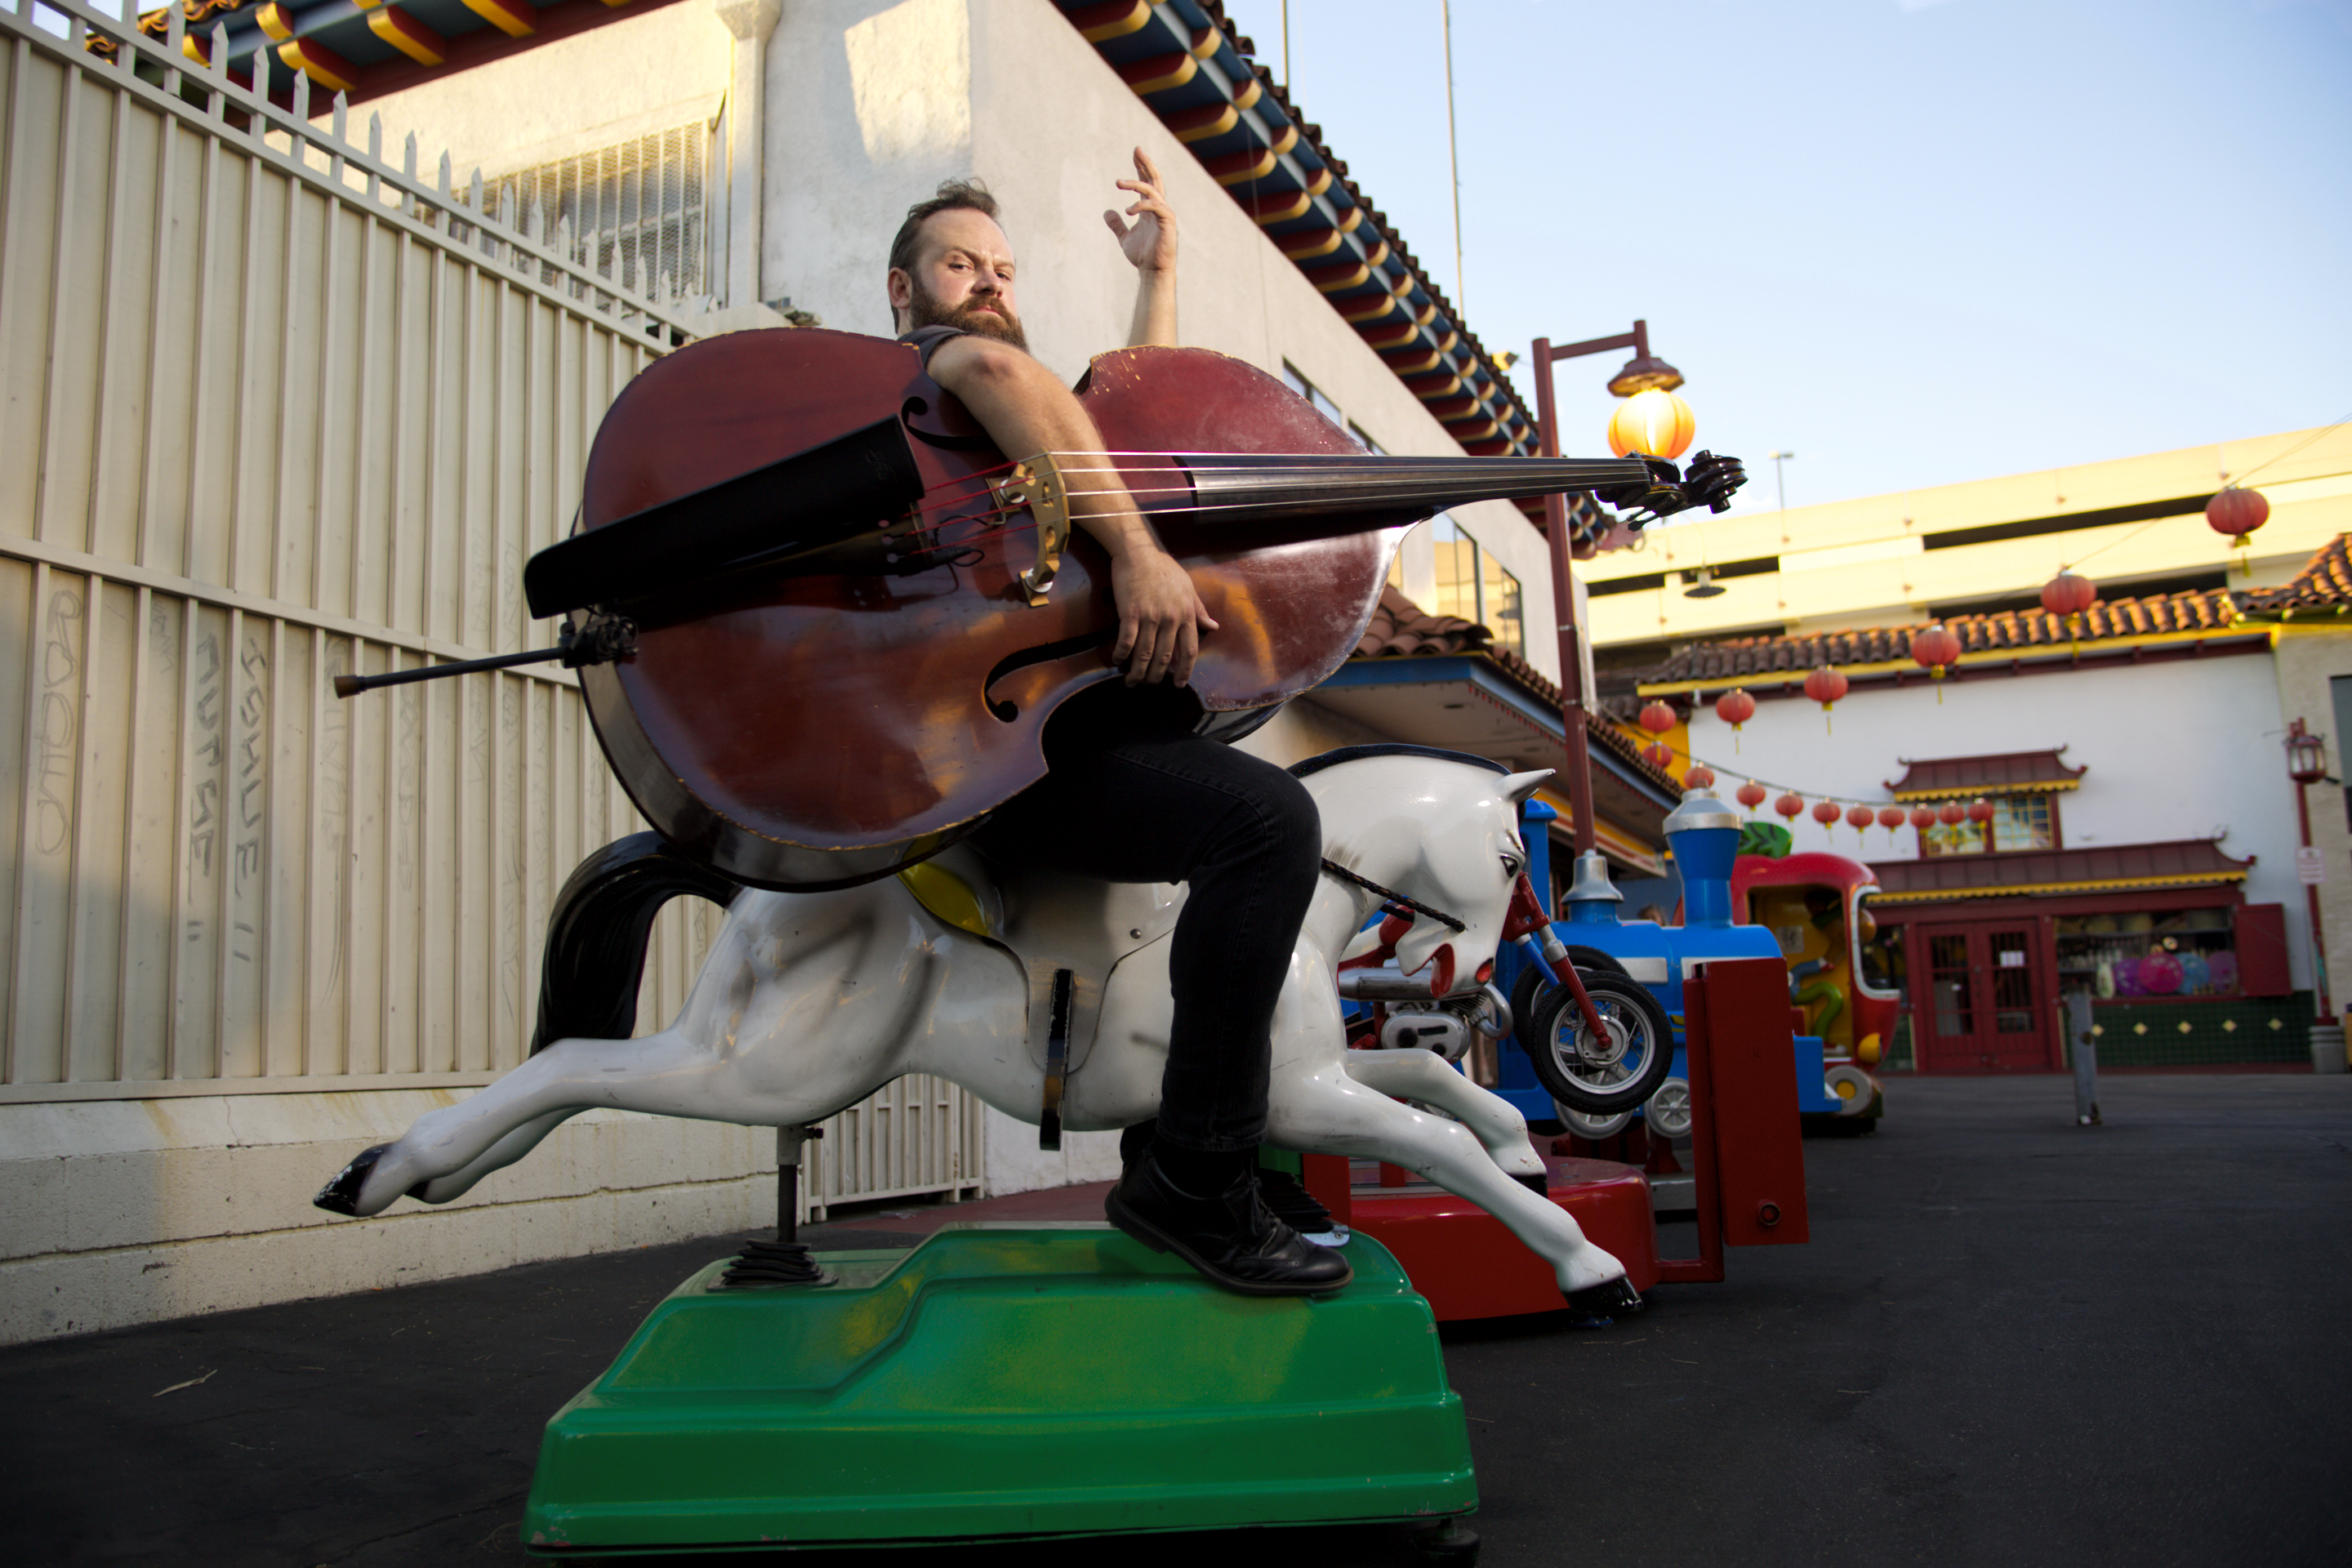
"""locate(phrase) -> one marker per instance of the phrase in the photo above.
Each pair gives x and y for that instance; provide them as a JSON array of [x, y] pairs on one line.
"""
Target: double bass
[[820, 621]]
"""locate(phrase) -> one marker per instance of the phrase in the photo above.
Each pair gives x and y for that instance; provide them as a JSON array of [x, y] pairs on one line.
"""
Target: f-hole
[[941, 439], [1005, 712]]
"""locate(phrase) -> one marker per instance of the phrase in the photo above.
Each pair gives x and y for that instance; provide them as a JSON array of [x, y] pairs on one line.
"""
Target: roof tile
[[2323, 583], [1403, 629], [2188, 862], [2007, 630]]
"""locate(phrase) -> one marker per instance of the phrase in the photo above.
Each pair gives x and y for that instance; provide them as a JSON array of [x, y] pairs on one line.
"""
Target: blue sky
[[1914, 242]]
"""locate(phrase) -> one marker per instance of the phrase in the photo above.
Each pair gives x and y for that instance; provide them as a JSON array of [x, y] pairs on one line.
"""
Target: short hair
[[952, 194]]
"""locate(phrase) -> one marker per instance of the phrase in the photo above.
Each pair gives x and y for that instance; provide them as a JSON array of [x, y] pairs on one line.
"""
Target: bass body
[[851, 624]]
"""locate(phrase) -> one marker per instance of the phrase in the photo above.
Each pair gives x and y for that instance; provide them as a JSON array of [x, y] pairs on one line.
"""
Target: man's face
[[962, 277]]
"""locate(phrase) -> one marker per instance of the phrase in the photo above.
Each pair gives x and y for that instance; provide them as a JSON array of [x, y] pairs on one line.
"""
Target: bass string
[[1441, 490]]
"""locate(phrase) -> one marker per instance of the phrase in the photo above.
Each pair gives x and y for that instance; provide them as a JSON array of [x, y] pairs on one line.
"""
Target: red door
[[1984, 1004]]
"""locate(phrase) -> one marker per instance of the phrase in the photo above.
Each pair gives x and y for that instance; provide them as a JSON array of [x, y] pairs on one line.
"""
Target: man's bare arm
[[1026, 411], [1150, 245]]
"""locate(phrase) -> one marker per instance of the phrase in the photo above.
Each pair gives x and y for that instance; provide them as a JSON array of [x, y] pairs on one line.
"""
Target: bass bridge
[[1036, 486]]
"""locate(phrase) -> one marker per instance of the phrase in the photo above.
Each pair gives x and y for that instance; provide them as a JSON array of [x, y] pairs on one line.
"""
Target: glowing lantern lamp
[[1936, 649], [1735, 708], [1825, 686], [2234, 513], [1655, 423], [1699, 776], [1791, 806], [1859, 819], [1751, 795], [2306, 754], [1657, 718]]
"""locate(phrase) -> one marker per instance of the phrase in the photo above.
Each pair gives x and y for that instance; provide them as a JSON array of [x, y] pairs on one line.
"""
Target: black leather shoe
[[1293, 1205], [1230, 1238]]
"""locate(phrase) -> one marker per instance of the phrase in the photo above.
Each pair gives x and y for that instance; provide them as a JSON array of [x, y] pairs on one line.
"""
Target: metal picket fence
[[283, 409]]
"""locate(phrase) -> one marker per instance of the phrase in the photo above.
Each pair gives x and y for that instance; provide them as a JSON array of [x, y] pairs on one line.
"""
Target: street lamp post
[[1641, 373], [2306, 764]]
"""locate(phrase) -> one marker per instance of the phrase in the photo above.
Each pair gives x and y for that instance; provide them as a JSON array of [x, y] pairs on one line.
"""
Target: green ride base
[[1006, 1381]]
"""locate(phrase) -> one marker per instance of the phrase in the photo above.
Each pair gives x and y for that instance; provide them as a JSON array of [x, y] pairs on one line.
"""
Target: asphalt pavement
[[2011, 1340]]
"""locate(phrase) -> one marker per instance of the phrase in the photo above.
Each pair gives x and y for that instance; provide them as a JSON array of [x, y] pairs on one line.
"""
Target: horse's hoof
[[1540, 1185], [1616, 1298], [341, 1195]]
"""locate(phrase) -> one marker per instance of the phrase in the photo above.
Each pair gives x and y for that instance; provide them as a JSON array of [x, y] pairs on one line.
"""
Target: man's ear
[[902, 289]]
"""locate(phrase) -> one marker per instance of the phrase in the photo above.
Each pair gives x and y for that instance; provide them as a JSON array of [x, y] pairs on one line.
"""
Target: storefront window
[[2182, 952], [2022, 822], [2019, 822]]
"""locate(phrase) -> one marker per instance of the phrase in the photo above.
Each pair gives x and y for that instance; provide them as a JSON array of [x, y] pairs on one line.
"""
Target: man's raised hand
[[1149, 243]]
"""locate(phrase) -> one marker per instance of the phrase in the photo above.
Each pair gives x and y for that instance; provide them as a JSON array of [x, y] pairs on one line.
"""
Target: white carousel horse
[[810, 1002]]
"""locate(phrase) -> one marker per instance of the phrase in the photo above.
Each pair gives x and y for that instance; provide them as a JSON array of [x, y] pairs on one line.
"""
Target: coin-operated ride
[[1840, 974], [1707, 1040], [1597, 1099]]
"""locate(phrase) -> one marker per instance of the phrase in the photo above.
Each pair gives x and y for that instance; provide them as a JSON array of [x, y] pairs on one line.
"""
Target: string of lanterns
[[2234, 513], [1827, 810], [1935, 649]]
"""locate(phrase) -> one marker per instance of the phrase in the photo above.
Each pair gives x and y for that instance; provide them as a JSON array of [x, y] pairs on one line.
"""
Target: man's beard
[[1000, 322]]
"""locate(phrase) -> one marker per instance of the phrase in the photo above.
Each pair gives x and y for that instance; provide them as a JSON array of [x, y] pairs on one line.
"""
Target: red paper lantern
[[1657, 718], [2237, 513], [2067, 594], [1891, 818], [1981, 810], [1825, 686], [1923, 818], [1935, 649], [1751, 795], [1789, 805], [1735, 708], [1825, 812], [1700, 776], [1658, 754], [1860, 816], [1952, 813]]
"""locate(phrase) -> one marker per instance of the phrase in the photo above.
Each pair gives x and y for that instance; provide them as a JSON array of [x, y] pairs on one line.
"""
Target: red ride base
[[1462, 1260]]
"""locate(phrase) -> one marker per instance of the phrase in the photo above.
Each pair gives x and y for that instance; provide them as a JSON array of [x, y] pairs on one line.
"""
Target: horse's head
[[1440, 827]]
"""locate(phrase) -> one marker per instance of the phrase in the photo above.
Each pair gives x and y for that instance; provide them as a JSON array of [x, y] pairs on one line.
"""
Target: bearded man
[[1132, 792]]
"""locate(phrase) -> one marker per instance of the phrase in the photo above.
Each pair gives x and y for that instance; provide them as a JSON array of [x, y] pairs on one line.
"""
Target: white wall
[[125, 1211], [2181, 749], [2307, 661]]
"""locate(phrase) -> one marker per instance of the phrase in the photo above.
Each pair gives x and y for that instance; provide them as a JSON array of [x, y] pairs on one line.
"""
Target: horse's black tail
[[596, 938]]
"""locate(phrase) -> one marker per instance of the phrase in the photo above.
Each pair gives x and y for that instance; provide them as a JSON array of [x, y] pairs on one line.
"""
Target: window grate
[[637, 212]]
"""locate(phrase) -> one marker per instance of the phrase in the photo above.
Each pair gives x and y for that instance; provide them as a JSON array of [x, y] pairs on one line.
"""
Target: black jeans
[[1134, 796]]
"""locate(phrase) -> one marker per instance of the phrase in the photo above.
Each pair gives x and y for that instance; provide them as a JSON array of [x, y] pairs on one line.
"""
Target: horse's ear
[[1519, 787]]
